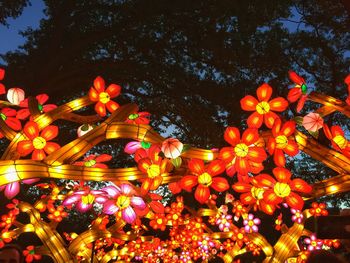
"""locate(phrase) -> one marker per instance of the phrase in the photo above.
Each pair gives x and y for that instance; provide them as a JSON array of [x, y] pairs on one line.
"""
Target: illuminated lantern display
[[83, 129], [172, 148], [15, 95], [221, 199]]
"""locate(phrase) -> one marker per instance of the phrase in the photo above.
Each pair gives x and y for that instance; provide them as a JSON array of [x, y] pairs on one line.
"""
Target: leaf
[[186, 148], [299, 120], [314, 134], [176, 162]]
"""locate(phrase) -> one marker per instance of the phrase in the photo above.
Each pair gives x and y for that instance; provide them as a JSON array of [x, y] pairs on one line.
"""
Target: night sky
[[10, 37]]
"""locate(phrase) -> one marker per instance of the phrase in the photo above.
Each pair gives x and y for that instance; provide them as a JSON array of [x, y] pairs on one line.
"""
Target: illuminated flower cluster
[[85, 198], [139, 118], [318, 209], [337, 137], [281, 142], [95, 161], [38, 142], [204, 177], [124, 201], [30, 255], [313, 243], [245, 154], [154, 166], [263, 107], [24, 113], [299, 91], [102, 96], [251, 224]]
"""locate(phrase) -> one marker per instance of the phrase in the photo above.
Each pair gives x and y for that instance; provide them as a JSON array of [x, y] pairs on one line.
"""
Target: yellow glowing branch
[[13, 171], [51, 239], [333, 159], [326, 100], [334, 185]]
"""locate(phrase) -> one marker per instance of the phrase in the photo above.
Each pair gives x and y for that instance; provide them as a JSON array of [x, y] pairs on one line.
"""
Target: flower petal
[[196, 166], [103, 158], [248, 103], [129, 215], [271, 198], [99, 84], [202, 194], [288, 128], [257, 154], [71, 200], [264, 92], [219, 184], [49, 132], [292, 148], [188, 182], [112, 106], [300, 186], [295, 78], [295, 201], [264, 180], [216, 167], [242, 187], [38, 155], [247, 199], [51, 147], [111, 190], [13, 123], [110, 208], [250, 136], [282, 174], [266, 207], [25, 147], [255, 120], [126, 189], [279, 158], [11, 190], [138, 202], [242, 166], [294, 94], [42, 98], [31, 130], [100, 108], [278, 104], [270, 118], [232, 135], [93, 95], [113, 90], [227, 154]]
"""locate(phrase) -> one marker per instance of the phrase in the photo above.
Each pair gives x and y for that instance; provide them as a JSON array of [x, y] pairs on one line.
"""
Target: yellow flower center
[[39, 143], [263, 107], [123, 201], [88, 199], [240, 236], [318, 210], [104, 97], [257, 193], [153, 171], [250, 223], [313, 243], [57, 213], [340, 141], [281, 142], [241, 150], [282, 189], [205, 179], [159, 221]]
